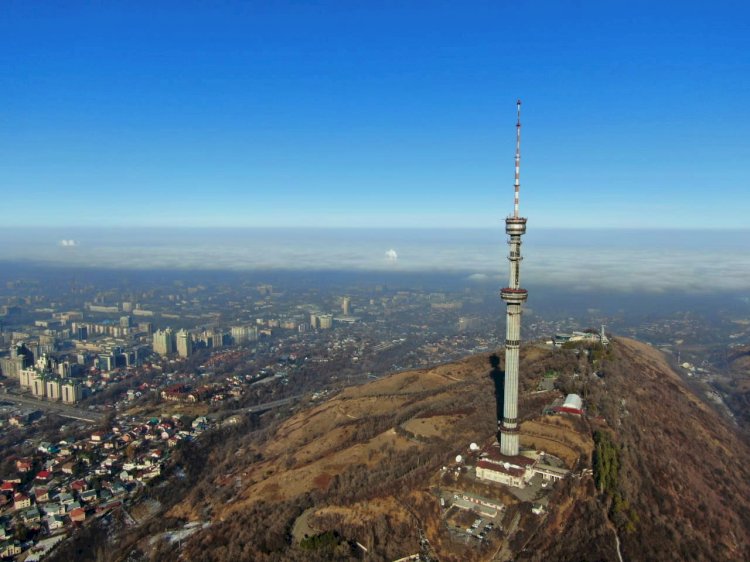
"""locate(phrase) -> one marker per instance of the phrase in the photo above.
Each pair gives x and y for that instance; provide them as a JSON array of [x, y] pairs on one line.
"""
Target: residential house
[[8, 486], [73, 506], [118, 489], [55, 509], [79, 486], [55, 522], [88, 496], [66, 499], [41, 493], [8, 549], [31, 516], [44, 476], [65, 449], [21, 501], [78, 515]]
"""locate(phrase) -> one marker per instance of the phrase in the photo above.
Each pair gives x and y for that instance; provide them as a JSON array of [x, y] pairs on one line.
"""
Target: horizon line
[[318, 227]]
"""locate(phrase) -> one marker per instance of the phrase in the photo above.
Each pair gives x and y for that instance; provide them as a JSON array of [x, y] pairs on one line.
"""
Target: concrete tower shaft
[[514, 296]]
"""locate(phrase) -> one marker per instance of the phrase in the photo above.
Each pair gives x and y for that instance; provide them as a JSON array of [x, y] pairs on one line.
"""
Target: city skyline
[[376, 115]]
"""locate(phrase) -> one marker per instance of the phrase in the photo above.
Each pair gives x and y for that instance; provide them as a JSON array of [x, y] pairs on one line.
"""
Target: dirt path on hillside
[[302, 527]]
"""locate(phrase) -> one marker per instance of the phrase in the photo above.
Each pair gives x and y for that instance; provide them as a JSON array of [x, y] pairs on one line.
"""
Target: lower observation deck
[[514, 296]]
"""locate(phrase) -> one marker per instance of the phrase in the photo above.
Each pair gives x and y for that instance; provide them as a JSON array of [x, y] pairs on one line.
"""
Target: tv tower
[[514, 296]]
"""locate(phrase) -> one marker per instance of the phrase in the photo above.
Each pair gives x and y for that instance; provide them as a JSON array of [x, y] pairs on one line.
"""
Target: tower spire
[[517, 183]]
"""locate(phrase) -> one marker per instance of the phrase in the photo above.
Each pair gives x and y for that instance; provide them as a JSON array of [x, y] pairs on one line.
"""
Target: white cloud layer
[[586, 260]]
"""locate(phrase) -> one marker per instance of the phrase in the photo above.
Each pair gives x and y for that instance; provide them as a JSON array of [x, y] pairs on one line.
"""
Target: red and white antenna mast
[[517, 183]]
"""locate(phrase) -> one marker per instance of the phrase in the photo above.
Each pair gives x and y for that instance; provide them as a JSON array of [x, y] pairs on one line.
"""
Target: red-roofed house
[[79, 486], [77, 515], [21, 501], [44, 475], [41, 494]]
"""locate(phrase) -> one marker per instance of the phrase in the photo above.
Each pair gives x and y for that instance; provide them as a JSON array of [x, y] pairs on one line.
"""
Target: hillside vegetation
[[654, 470], [673, 475]]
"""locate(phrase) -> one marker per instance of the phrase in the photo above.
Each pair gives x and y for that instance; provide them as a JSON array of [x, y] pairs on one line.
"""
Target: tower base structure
[[509, 441]]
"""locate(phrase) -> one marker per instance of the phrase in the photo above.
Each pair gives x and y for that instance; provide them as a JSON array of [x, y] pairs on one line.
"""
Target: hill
[[737, 387], [683, 484], [655, 472]]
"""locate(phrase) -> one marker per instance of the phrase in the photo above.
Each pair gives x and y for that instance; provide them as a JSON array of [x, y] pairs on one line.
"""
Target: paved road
[[68, 411], [271, 405], [58, 408], [257, 408]]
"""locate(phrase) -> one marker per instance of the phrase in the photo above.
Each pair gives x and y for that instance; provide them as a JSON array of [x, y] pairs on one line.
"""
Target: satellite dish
[[473, 447], [459, 459], [506, 465]]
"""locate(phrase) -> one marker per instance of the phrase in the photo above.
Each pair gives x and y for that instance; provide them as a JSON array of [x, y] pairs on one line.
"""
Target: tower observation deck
[[514, 296]]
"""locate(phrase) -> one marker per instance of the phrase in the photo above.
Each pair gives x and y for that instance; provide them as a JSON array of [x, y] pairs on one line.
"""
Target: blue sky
[[375, 114]]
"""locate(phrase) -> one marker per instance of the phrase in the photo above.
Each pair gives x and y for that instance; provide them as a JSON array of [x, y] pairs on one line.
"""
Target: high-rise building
[[164, 342], [71, 391], [39, 386], [346, 303], [212, 338], [325, 321], [107, 361], [64, 368], [514, 296], [82, 332], [20, 358], [25, 377], [217, 338], [244, 334], [184, 344], [54, 389]]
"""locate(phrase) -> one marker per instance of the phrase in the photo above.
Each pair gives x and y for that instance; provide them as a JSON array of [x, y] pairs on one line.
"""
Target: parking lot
[[470, 527]]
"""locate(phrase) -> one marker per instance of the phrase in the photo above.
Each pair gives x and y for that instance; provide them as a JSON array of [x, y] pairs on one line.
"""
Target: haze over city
[[643, 260]]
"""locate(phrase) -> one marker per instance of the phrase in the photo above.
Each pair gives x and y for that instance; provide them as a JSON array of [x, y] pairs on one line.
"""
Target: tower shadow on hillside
[[498, 379]]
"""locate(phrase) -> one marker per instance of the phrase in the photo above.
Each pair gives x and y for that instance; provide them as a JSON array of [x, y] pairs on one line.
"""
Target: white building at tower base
[[516, 471]]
